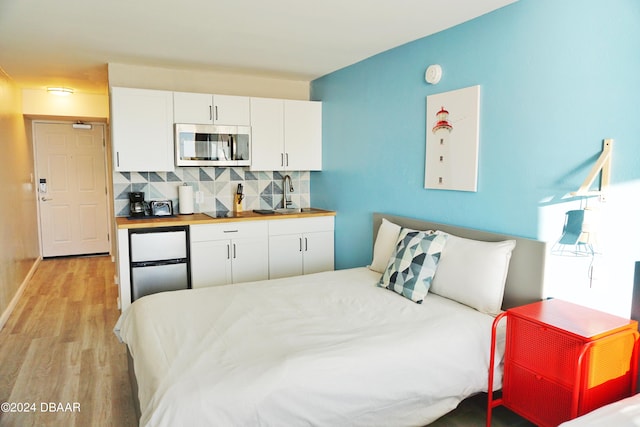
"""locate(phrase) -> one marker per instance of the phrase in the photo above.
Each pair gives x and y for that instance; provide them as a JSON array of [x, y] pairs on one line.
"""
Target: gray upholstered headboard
[[526, 269]]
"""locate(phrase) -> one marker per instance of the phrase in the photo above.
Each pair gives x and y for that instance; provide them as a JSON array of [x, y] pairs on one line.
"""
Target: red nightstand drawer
[[608, 375], [542, 401], [544, 350]]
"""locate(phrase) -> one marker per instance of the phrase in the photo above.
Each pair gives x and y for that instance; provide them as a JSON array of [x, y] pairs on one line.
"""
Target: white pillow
[[385, 245], [473, 272]]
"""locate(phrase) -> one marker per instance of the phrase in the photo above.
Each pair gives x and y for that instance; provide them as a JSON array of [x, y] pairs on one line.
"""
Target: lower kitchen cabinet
[[222, 253], [230, 252], [301, 246], [563, 360]]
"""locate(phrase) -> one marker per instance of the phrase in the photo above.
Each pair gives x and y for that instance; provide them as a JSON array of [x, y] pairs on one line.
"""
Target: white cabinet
[[231, 252], [123, 270], [244, 251], [300, 246], [286, 134], [142, 129], [303, 135], [202, 108], [267, 134]]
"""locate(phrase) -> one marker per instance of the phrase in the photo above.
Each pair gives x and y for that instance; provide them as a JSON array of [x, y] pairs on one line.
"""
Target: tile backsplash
[[217, 186]]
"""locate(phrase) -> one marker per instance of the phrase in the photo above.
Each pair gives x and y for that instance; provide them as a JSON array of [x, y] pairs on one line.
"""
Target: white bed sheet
[[328, 349], [623, 413]]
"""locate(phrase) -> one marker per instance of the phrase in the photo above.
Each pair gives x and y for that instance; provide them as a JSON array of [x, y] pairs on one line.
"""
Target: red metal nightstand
[[563, 360]]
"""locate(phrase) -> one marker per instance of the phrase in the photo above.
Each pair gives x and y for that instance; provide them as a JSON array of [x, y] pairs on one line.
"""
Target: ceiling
[[69, 42]]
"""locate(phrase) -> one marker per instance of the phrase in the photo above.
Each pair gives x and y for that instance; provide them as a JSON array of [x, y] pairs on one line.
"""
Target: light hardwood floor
[[58, 348]]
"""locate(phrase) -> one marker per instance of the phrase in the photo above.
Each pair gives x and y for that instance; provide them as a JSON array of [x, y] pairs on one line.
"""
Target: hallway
[[60, 363]]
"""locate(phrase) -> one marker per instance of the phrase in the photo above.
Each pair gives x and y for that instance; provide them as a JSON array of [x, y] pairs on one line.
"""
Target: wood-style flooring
[[472, 412], [58, 351], [58, 348]]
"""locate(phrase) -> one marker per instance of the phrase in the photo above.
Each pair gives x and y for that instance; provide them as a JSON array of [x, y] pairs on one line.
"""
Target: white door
[[192, 108], [318, 252], [72, 192], [210, 263], [303, 135], [250, 259], [267, 134], [142, 130], [231, 110], [285, 255]]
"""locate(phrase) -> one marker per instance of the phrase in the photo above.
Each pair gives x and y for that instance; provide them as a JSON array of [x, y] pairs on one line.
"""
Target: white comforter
[[328, 349], [623, 413]]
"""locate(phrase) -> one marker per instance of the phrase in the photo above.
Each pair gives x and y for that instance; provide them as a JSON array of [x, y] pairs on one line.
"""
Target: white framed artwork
[[453, 133]]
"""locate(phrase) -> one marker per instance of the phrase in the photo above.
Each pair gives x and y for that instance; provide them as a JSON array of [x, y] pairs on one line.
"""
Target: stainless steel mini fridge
[[159, 260]]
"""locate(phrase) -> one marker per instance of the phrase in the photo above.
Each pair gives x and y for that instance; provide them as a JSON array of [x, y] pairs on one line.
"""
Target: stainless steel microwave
[[212, 145]]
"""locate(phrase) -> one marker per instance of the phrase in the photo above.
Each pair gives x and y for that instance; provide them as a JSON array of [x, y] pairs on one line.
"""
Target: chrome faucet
[[286, 202]]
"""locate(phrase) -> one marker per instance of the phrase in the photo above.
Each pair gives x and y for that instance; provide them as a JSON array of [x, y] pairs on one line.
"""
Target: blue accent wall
[[556, 76]]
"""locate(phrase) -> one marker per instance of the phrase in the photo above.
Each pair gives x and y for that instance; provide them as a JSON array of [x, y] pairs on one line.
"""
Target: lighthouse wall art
[[452, 140]]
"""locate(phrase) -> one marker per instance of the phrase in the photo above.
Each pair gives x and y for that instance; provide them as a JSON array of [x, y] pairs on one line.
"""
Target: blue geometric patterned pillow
[[411, 268]]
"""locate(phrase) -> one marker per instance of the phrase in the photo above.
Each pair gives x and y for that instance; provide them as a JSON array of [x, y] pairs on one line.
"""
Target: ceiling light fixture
[[61, 91]]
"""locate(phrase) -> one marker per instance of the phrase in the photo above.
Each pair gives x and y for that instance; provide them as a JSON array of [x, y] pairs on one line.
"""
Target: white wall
[[40, 103], [221, 82], [19, 248]]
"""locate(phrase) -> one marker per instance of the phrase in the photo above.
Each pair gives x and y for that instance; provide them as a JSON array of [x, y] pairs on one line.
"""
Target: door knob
[[45, 199]]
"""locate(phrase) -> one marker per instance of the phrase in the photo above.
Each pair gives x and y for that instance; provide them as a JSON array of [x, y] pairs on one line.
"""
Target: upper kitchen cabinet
[[286, 134], [142, 129], [303, 135], [202, 108], [267, 134]]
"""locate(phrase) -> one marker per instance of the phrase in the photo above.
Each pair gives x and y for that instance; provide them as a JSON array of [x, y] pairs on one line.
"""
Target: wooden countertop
[[200, 218]]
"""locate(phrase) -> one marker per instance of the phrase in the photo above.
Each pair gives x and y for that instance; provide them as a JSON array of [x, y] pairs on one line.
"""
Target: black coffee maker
[[136, 204]]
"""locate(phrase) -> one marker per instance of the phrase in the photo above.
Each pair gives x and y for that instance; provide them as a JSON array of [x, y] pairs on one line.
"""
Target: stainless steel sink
[[287, 210]]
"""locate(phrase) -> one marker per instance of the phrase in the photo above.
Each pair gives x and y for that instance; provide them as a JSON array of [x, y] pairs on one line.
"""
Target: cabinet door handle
[[118, 158], [230, 231], [306, 244], [210, 112], [228, 251], [287, 157], [216, 109], [300, 241], [234, 251], [281, 159]]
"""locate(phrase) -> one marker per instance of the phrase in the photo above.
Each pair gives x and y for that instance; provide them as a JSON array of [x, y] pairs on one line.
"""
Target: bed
[[332, 348], [623, 413]]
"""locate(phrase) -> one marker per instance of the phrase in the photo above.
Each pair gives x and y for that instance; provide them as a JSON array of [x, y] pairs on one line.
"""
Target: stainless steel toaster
[[161, 207]]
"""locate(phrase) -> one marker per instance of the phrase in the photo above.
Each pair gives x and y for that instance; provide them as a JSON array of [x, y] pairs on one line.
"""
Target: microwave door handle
[[234, 148]]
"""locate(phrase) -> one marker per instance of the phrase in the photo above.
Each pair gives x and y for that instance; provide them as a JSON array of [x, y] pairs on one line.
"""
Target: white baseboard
[[16, 297]]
